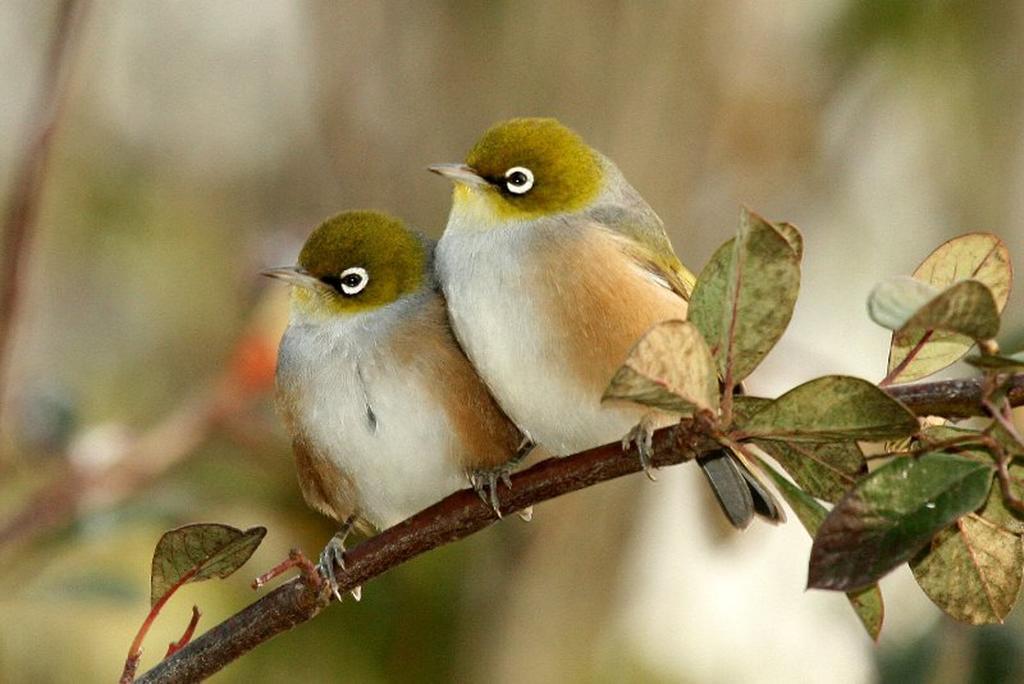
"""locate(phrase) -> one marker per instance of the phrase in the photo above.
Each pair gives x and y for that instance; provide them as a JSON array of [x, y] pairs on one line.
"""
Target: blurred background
[[199, 142]]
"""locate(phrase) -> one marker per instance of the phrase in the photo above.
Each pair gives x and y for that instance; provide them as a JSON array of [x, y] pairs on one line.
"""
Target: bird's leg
[[334, 553], [486, 480], [642, 436]]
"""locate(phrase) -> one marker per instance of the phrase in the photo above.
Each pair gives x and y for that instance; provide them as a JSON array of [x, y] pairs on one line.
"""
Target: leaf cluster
[[943, 498]]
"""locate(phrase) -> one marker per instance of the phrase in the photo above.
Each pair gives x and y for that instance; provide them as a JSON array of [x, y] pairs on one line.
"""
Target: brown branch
[[463, 514], [23, 202], [454, 518], [953, 398]]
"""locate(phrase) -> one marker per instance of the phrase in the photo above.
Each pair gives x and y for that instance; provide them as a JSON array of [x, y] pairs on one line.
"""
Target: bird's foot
[[334, 555], [642, 437], [486, 480]]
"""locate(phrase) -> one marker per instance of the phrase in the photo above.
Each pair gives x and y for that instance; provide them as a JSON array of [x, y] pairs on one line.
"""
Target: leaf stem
[[186, 637], [135, 650]]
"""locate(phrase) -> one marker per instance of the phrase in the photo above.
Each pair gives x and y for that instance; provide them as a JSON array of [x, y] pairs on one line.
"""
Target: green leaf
[[744, 297], [834, 408], [826, 471], [1008, 363], [867, 603], [669, 368], [967, 308], [995, 509], [891, 515], [978, 256], [972, 570], [194, 553]]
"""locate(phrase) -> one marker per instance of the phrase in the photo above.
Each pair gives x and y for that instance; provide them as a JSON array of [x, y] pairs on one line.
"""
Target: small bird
[[553, 266], [385, 412]]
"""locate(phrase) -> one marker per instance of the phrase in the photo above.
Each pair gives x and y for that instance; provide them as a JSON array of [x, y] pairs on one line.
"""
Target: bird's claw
[[485, 482], [334, 554], [642, 437]]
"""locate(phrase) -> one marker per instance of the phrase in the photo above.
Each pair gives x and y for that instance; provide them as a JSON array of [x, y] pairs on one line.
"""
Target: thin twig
[[23, 200]]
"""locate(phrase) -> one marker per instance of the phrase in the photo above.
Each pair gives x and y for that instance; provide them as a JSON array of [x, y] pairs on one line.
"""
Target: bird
[[385, 413], [553, 266]]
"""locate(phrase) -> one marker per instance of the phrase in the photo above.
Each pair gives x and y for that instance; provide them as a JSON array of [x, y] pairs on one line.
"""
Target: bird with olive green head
[[553, 266], [385, 413]]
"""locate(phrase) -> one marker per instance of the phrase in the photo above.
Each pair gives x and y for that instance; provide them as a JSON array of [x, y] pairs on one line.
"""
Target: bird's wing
[[648, 244]]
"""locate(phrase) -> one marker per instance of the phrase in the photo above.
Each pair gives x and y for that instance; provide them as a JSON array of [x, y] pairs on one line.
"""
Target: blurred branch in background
[[104, 468], [463, 514], [23, 200]]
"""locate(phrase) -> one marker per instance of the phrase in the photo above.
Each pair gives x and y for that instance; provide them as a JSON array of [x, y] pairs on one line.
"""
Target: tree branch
[[959, 398], [463, 514], [23, 202]]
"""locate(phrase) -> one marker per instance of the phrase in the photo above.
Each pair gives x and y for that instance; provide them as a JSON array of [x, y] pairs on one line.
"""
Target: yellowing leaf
[[978, 256], [744, 297], [832, 408], [199, 552], [792, 235], [669, 368], [972, 570]]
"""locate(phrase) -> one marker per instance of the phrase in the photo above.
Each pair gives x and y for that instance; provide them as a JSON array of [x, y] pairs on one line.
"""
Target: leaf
[[824, 470], [835, 408], [892, 303], [744, 297], [792, 235], [967, 308], [194, 553], [1008, 363], [972, 570], [979, 256], [891, 515], [995, 509], [669, 368], [867, 603]]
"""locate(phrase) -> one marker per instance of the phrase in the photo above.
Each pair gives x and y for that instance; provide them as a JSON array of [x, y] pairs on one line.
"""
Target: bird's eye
[[353, 280], [519, 180]]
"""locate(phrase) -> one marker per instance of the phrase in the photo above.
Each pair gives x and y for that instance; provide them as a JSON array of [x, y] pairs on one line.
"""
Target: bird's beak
[[293, 275], [458, 173]]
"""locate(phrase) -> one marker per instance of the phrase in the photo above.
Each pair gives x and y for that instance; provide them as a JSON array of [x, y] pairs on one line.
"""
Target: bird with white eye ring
[[385, 412], [519, 180], [550, 284]]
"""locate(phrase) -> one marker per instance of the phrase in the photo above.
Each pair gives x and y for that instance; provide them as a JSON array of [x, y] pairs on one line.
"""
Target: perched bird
[[553, 266], [385, 412]]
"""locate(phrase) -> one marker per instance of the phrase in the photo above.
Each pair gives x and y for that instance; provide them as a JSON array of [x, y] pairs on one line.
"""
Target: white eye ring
[[359, 282], [522, 187]]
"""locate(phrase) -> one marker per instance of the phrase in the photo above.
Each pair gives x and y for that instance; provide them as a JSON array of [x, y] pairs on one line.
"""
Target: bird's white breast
[[375, 421], [494, 283]]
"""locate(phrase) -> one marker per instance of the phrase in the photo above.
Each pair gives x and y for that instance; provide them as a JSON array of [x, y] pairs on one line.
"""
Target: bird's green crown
[[535, 167], [361, 260]]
